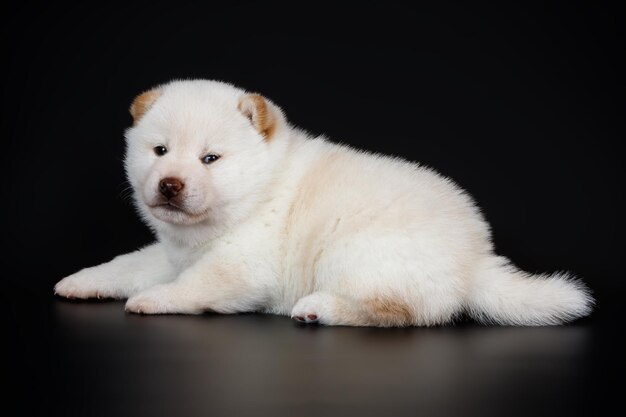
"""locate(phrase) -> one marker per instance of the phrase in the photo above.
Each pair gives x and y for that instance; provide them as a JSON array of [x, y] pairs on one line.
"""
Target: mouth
[[173, 213], [169, 209], [169, 206]]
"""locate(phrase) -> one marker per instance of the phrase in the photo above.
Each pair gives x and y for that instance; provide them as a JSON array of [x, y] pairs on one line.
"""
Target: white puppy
[[252, 214]]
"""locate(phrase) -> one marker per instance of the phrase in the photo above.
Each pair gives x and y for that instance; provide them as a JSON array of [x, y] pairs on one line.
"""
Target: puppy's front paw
[[160, 299], [81, 285], [146, 304]]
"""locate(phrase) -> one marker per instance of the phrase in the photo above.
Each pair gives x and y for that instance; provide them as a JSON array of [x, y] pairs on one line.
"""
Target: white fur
[[301, 226]]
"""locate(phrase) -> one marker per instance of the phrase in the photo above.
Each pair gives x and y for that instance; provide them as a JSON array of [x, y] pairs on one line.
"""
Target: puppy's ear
[[142, 103], [262, 114]]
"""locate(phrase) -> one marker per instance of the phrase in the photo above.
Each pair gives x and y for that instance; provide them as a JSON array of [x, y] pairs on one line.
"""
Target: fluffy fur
[[288, 224]]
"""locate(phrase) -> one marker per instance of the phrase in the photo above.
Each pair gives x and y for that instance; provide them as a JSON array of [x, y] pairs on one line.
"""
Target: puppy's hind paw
[[313, 308]]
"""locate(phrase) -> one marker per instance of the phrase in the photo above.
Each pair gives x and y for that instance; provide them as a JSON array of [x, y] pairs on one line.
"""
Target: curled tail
[[504, 295]]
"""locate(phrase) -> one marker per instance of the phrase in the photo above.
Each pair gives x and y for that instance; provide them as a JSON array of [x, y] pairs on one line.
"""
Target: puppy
[[252, 214]]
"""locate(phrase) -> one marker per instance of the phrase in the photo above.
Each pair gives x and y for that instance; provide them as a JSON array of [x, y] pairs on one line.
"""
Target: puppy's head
[[200, 150]]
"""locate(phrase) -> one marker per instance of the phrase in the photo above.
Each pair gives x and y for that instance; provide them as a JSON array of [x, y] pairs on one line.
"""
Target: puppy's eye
[[210, 158], [160, 150]]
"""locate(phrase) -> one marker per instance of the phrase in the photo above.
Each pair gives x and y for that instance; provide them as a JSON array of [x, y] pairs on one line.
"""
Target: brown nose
[[170, 187]]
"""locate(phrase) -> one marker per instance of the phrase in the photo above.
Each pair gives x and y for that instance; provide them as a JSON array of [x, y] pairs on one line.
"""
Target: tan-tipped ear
[[261, 113], [142, 103]]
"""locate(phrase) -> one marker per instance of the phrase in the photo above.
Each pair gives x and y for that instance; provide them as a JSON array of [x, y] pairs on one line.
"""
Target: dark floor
[[90, 358]]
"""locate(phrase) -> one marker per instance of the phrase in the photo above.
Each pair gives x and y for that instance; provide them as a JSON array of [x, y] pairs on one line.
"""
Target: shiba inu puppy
[[252, 214]]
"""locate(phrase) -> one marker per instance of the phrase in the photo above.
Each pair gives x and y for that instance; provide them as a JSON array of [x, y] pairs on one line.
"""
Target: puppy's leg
[[210, 285], [379, 280], [120, 278], [337, 310]]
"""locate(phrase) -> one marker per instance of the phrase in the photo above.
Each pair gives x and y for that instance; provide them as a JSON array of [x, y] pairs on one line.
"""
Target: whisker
[[126, 192]]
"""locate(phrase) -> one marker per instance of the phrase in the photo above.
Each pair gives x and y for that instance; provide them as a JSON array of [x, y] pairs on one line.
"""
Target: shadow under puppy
[[252, 214]]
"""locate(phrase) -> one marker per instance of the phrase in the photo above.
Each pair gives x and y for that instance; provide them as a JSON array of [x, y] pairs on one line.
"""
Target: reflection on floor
[[90, 358]]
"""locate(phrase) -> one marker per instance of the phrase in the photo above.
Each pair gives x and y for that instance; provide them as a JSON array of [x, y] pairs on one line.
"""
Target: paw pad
[[308, 318]]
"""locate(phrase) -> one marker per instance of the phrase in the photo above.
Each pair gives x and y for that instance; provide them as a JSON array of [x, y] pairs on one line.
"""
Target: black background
[[521, 104]]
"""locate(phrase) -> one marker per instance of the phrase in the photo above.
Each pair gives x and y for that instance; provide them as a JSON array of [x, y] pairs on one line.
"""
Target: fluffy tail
[[504, 295]]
